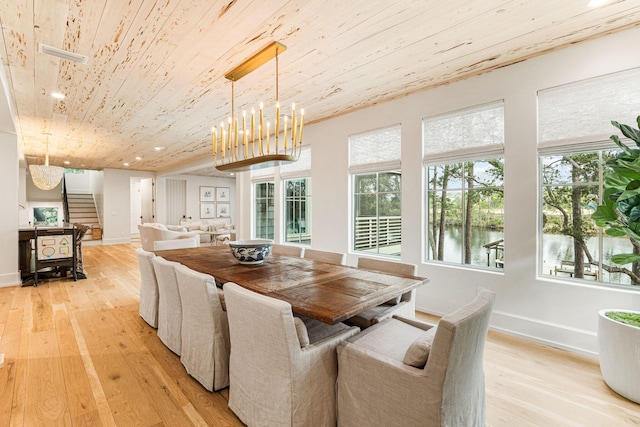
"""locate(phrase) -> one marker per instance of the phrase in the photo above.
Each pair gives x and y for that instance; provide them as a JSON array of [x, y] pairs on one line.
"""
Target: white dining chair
[[287, 250], [148, 288], [404, 305], [205, 329], [325, 256], [282, 368], [169, 305]]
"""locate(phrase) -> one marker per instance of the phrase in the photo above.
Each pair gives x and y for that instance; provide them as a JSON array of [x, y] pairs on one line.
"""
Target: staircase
[[82, 209]]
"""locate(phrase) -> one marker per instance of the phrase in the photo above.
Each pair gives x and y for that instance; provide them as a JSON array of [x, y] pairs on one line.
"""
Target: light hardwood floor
[[77, 353]]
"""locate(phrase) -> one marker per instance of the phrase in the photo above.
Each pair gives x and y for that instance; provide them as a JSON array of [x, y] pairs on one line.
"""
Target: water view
[[556, 248]]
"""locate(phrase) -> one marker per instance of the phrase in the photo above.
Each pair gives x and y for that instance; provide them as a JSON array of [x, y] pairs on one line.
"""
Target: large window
[[378, 226], [574, 123], [297, 198], [465, 186], [264, 210], [374, 163], [298, 210], [572, 245], [466, 212]]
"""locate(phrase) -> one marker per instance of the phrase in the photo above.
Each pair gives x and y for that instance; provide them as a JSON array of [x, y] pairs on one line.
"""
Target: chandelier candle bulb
[[253, 132], [261, 130], [268, 135], [214, 142], [277, 130], [244, 134], [284, 137], [293, 127], [222, 144], [237, 136], [230, 140], [301, 124]]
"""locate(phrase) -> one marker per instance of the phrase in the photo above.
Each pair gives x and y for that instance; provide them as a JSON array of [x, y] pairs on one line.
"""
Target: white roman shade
[[464, 134], [262, 174], [581, 112], [375, 151], [300, 168]]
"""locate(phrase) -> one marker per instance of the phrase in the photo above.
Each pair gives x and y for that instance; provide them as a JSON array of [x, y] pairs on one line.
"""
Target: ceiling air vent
[[64, 54]]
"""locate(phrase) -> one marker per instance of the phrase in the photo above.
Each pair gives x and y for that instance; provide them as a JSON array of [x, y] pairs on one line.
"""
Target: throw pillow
[[418, 351]]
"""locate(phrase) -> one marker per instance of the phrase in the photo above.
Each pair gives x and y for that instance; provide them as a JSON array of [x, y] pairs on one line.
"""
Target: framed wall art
[[207, 210], [222, 210], [222, 194], [207, 194]]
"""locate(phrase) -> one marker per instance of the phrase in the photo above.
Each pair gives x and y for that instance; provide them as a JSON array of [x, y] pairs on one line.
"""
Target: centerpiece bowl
[[251, 251]]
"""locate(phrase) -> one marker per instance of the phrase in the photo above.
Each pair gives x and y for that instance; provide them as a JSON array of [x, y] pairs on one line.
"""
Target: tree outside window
[[572, 244], [465, 205]]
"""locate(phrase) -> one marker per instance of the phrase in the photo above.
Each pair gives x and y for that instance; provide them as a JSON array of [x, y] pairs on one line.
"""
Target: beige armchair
[[407, 373], [404, 305], [282, 369], [151, 232]]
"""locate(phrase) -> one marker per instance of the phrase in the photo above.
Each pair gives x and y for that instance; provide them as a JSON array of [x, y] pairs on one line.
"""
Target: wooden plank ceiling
[[155, 74]]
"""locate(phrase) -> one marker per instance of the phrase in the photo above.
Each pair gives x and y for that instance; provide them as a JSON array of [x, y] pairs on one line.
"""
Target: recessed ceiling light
[[138, 158], [158, 148], [57, 95], [67, 162], [125, 164], [597, 3]]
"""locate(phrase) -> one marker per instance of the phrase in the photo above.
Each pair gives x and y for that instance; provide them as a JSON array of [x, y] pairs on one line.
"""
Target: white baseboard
[[118, 241], [10, 279]]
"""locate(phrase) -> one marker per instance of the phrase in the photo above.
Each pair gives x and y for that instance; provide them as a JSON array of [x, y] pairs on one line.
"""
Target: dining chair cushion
[[301, 331], [148, 288], [418, 351], [392, 341]]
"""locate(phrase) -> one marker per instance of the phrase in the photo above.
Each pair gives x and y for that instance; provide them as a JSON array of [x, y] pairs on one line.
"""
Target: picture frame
[[207, 194], [222, 194], [207, 210], [223, 210]]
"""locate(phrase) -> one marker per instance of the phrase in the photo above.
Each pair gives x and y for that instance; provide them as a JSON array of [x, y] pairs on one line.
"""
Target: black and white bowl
[[251, 251]]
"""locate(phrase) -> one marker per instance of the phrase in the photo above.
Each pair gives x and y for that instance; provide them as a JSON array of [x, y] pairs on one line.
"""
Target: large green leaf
[[615, 232], [625, 258], [615, 180], [604, 214], [629, 132]]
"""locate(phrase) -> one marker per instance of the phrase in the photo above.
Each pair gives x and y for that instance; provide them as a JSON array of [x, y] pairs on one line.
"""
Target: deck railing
[[371, 232]]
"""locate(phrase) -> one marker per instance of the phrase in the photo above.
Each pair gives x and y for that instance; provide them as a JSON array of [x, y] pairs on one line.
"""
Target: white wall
[[9, 176], [560, 313], [194, 182], [117, 204]]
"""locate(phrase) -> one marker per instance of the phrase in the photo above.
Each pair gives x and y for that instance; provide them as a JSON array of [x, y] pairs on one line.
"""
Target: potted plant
[[619, 330]]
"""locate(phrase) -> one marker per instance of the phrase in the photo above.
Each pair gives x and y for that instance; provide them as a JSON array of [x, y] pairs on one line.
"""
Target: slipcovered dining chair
[[325, 256], [404, 305], [169, 304], [282, 369], [407, 373], [148, 288], [205, 329], [287, 250]]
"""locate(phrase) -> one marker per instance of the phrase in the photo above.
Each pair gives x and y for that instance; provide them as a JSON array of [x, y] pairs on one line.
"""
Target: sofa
[[151, 232], [206, 227]]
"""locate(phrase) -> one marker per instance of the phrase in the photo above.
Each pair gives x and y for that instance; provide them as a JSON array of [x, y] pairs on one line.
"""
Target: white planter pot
[[619, 353]]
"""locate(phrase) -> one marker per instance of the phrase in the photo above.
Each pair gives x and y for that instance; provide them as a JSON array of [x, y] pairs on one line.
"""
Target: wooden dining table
[[326, 292]]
